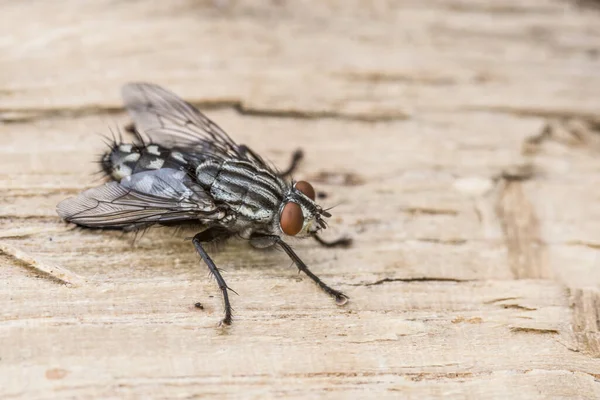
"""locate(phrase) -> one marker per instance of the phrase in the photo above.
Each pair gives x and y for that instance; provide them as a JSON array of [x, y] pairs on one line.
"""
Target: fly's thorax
[[298, 214], [126, 159], [253, 194]]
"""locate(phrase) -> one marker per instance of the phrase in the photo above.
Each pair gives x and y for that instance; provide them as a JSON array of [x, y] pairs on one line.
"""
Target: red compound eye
[[306, 189], [291, 219]]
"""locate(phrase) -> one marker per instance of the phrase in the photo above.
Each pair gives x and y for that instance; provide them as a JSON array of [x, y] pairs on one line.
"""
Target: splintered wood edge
[[55, 272]]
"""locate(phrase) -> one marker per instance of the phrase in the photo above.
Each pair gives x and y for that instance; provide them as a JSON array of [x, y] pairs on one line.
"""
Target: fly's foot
[[341, 298]]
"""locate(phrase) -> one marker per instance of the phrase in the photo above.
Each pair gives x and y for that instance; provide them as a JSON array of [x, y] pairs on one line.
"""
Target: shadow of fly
[[181, 169]]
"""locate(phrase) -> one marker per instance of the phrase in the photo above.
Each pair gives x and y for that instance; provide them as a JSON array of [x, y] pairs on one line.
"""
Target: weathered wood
[[459, 141]]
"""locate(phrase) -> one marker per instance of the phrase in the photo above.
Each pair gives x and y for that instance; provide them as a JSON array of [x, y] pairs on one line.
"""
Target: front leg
[[341, 242], [269, 240], [207, 236]]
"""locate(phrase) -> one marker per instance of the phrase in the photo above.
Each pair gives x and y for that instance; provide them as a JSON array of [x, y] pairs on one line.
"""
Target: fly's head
[[299, 215]]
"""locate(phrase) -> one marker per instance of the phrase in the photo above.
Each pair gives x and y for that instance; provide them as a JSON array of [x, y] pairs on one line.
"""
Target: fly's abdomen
[[127, 159], [252, 193]]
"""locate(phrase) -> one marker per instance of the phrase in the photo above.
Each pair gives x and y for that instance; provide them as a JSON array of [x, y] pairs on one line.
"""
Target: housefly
[[181, 169]]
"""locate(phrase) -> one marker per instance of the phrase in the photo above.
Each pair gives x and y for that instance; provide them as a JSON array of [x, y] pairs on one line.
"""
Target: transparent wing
[[161, 117], [140, 200]]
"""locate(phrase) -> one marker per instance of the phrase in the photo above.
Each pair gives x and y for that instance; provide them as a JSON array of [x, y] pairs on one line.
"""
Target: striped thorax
[[260, 200]]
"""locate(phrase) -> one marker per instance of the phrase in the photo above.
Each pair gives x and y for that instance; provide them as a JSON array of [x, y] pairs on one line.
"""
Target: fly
[[182, 168]]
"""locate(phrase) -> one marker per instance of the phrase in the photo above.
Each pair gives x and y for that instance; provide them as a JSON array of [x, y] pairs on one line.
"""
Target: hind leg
[[207, 236]]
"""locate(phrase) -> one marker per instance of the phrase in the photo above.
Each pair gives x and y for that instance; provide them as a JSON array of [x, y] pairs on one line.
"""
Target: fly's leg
[[243, 150], [207, 236], [341, 242], [130, 128], [297, 156], [339, 297]]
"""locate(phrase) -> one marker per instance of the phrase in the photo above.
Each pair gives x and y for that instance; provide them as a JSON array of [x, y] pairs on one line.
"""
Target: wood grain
[[458, 141]]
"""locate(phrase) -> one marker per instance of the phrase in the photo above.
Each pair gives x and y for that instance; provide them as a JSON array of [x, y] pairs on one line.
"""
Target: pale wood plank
[[474, 272]]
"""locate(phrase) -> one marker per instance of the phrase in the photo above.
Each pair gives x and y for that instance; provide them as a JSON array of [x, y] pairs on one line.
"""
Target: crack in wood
[[500, 300], [534, 112], [520, 225], [450, 242], [428, 211], [27, 115], [595, 246], [419, 279], [518, 307], [577, 132], [522, 329], [586, 320]]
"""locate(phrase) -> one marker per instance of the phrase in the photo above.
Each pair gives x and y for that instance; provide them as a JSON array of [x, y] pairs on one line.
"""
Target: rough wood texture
[[460, 139]]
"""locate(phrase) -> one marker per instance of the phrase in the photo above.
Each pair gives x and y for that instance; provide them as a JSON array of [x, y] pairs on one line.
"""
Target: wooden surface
[[459, 140]]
